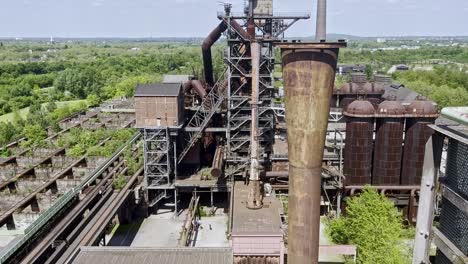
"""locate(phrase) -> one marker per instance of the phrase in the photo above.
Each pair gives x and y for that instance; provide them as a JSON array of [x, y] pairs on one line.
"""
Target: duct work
[[210, 40], [206, 50], [195, 85]]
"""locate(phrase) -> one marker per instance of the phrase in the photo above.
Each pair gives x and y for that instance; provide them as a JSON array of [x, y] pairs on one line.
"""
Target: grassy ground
[[24, 112]]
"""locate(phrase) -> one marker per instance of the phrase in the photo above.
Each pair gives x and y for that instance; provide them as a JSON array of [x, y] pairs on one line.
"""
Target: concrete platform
[[159, 231]]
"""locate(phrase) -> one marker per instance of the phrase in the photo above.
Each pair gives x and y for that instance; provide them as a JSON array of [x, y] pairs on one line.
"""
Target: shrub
[[373, 223]]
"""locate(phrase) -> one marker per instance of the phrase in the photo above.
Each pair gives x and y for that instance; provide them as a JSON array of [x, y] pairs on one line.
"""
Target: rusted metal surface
[[309, 75], [195, 85], [206, 50], [218, 162], [359, 143], [210, 40], [420, 114], [388, 143], [360, 88], [254, 200]]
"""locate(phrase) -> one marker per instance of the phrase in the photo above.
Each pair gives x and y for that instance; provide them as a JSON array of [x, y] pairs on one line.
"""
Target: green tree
[[92, 100], [373, 223], [35, 135], [369, 71]]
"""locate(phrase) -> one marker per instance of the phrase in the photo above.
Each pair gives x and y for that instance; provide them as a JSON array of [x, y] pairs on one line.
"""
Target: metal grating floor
[[454, 225], [457, 167]]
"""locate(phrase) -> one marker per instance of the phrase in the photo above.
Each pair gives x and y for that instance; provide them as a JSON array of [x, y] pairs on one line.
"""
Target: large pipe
[[206, 50], [195, 85], [321, 30], [255, 196], [309, 75], [210, 40], [218, 162]]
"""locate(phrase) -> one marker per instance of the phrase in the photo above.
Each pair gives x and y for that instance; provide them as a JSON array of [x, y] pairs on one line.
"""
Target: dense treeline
[[37, 74], [386, 58], [80, 71], [447, 86]]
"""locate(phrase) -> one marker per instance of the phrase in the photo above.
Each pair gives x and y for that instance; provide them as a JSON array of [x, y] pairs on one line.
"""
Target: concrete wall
[[23, 220]]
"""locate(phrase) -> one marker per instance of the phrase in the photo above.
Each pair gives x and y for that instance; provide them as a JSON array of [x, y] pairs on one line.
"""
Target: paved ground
[[160, 230], [325, 241], [212, 232]]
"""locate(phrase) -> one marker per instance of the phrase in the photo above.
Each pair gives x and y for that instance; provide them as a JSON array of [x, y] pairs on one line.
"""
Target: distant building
[[381, 40], [348, 69], [399, 67]]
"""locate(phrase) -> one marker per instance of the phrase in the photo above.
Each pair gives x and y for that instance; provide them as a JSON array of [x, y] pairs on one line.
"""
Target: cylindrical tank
[[359, 142], [419, 115], [309, 75], [347, 94], [374, 92], [388, 143]]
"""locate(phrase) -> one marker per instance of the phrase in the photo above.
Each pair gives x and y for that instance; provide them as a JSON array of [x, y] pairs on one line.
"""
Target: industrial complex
[[234, 171]]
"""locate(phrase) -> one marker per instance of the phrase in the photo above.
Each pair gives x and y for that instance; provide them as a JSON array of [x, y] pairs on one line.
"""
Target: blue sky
[[195, 18]]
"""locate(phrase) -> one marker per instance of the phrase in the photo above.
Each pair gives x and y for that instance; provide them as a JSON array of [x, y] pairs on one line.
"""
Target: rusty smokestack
[[309, 76], [321, 30], [255, 195]]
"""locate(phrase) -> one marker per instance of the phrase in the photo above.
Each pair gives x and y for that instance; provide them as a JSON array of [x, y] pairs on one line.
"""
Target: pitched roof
[[170, 78], [158, 89]]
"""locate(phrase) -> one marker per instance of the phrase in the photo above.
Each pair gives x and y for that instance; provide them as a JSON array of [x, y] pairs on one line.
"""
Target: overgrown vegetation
[[39, 75], [79, 141], [373, 223], [447, 86]]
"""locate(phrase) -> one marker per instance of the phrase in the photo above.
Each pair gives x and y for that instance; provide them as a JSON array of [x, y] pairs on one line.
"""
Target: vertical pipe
[[321, 30], [254, 198], [309, 75]]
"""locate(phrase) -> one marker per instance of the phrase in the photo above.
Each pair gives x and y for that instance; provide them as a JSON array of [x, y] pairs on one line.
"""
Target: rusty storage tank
[[374, 92], [349, 92], [360, 116], [359, 86], [419, 115], [390, 118]]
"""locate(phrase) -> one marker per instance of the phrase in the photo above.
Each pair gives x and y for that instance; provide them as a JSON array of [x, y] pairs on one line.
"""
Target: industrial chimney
[[321, 30], [309, 76]]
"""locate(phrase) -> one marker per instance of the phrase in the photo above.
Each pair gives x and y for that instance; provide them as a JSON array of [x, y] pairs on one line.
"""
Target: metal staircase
[[157, 157], [200, 120]]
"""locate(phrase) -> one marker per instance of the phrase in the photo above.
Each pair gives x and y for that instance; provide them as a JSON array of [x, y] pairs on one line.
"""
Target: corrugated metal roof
[[402, 94], [130, 255], [168, 78], [158, 89]]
